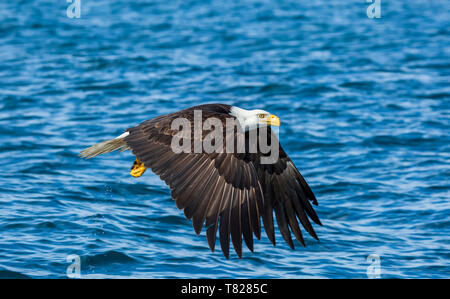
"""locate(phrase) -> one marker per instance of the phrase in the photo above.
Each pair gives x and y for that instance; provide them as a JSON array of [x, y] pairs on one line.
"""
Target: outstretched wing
[[287, 193], [211, 188]]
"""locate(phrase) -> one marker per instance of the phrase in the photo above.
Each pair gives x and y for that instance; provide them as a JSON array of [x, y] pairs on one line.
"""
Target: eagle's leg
[[137, 169]]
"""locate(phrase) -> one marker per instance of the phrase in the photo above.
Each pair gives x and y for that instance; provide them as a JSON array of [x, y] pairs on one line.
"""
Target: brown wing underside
[[225, 191]]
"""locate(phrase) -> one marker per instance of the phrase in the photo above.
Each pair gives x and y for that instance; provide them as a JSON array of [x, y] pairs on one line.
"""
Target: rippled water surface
[[364, 105]]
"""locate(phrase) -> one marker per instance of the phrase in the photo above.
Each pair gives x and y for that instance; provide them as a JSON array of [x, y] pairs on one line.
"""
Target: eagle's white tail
[[106, 147]]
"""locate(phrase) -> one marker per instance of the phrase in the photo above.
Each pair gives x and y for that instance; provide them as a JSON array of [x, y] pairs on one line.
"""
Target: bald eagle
[[233, 188]]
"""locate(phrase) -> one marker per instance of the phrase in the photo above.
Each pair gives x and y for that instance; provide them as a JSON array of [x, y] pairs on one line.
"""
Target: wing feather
[[288, 195], [246, 224], [235, 222]]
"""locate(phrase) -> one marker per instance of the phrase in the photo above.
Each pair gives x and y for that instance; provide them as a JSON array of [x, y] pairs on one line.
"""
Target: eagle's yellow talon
[[137, 169]]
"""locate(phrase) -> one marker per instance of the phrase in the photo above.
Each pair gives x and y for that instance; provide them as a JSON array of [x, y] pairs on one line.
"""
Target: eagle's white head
[[252, 119]]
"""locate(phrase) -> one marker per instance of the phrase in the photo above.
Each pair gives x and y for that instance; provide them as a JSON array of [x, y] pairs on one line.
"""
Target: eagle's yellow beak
[[273, 121]]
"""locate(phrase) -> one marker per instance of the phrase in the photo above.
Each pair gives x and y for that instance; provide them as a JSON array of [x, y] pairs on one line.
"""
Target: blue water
[[365, 112]]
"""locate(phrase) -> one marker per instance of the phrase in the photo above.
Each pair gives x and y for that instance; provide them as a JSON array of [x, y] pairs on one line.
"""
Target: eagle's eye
[[261, 115]]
